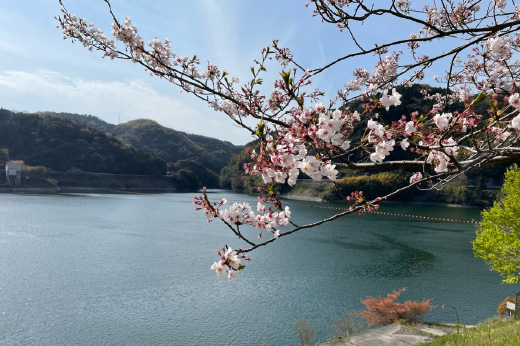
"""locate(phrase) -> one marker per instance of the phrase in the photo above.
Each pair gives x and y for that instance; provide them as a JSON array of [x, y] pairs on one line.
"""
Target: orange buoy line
[[421, 217]]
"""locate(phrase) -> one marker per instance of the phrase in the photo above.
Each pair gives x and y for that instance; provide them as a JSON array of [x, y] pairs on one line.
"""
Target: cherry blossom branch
[[301, 133]]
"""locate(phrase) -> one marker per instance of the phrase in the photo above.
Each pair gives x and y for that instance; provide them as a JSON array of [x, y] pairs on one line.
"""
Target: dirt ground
[[395, 335]]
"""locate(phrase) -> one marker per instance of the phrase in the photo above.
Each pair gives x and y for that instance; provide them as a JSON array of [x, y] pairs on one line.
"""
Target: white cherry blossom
[[410, 128], [442, 120], [499, 47], [515, 123], [390, 100], [514, 100], [405, 144]]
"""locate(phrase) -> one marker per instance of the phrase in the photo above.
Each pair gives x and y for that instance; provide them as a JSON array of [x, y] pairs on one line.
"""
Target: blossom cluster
[[242, 214], [281, 159], [239, 214], [358, 201], [230, 263], [384, 71]]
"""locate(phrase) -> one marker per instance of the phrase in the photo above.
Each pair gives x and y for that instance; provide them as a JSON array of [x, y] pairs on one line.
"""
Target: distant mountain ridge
[[168, 144], [82, 119], [174, 146]]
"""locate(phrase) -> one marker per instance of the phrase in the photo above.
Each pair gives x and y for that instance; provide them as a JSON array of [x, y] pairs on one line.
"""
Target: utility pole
[[516, 303]]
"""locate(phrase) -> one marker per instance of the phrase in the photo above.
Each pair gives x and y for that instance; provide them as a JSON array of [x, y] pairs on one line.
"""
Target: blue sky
[[39, 71]]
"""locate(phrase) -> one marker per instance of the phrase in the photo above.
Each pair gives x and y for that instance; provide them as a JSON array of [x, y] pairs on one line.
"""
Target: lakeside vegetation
[[496, 331], [458, 192]]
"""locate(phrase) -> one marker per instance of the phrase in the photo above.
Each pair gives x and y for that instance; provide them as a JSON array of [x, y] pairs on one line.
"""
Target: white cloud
[[49, 90], [9, 47]]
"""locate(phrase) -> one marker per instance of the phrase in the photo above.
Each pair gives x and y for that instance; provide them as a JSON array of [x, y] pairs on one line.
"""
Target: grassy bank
[[491, 332], [382, 184]]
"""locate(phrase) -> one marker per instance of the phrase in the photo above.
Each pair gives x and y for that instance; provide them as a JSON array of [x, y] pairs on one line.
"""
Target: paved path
[[394, 334]]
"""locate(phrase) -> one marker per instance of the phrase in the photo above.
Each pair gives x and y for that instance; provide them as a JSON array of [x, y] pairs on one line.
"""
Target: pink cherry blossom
[[500, 4], [450, 147], [416, 177], [220, 268], [440, 160]]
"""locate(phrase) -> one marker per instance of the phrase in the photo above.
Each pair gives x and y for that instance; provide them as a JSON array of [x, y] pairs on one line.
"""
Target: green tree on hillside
[[498, 236], [4, 155]]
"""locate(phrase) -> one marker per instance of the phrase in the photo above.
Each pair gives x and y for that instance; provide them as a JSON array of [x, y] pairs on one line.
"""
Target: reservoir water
[[115, 269]]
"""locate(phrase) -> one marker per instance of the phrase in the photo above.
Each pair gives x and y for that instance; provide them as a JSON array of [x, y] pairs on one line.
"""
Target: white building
[[13, 174]]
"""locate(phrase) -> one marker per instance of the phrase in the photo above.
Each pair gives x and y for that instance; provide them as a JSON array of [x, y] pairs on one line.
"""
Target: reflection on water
[[409, 262], [391, 259], [134, 270], [431, 227]]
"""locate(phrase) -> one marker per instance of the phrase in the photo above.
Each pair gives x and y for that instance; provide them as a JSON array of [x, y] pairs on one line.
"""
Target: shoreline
[[84, 189], [293, 197]]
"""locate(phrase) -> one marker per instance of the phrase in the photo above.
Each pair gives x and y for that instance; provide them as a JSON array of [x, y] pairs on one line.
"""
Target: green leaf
[[481, 97], [494, 107], [286, 76], [260, 128]]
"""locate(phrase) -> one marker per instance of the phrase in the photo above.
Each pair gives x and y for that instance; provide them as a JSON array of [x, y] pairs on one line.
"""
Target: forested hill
[[170, 145], [83, 119], [61, 141], [61, 144], [173, 146]]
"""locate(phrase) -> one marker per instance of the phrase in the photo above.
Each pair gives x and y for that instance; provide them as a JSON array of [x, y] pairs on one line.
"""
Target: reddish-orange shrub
[[385, 310], [502, 307]]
